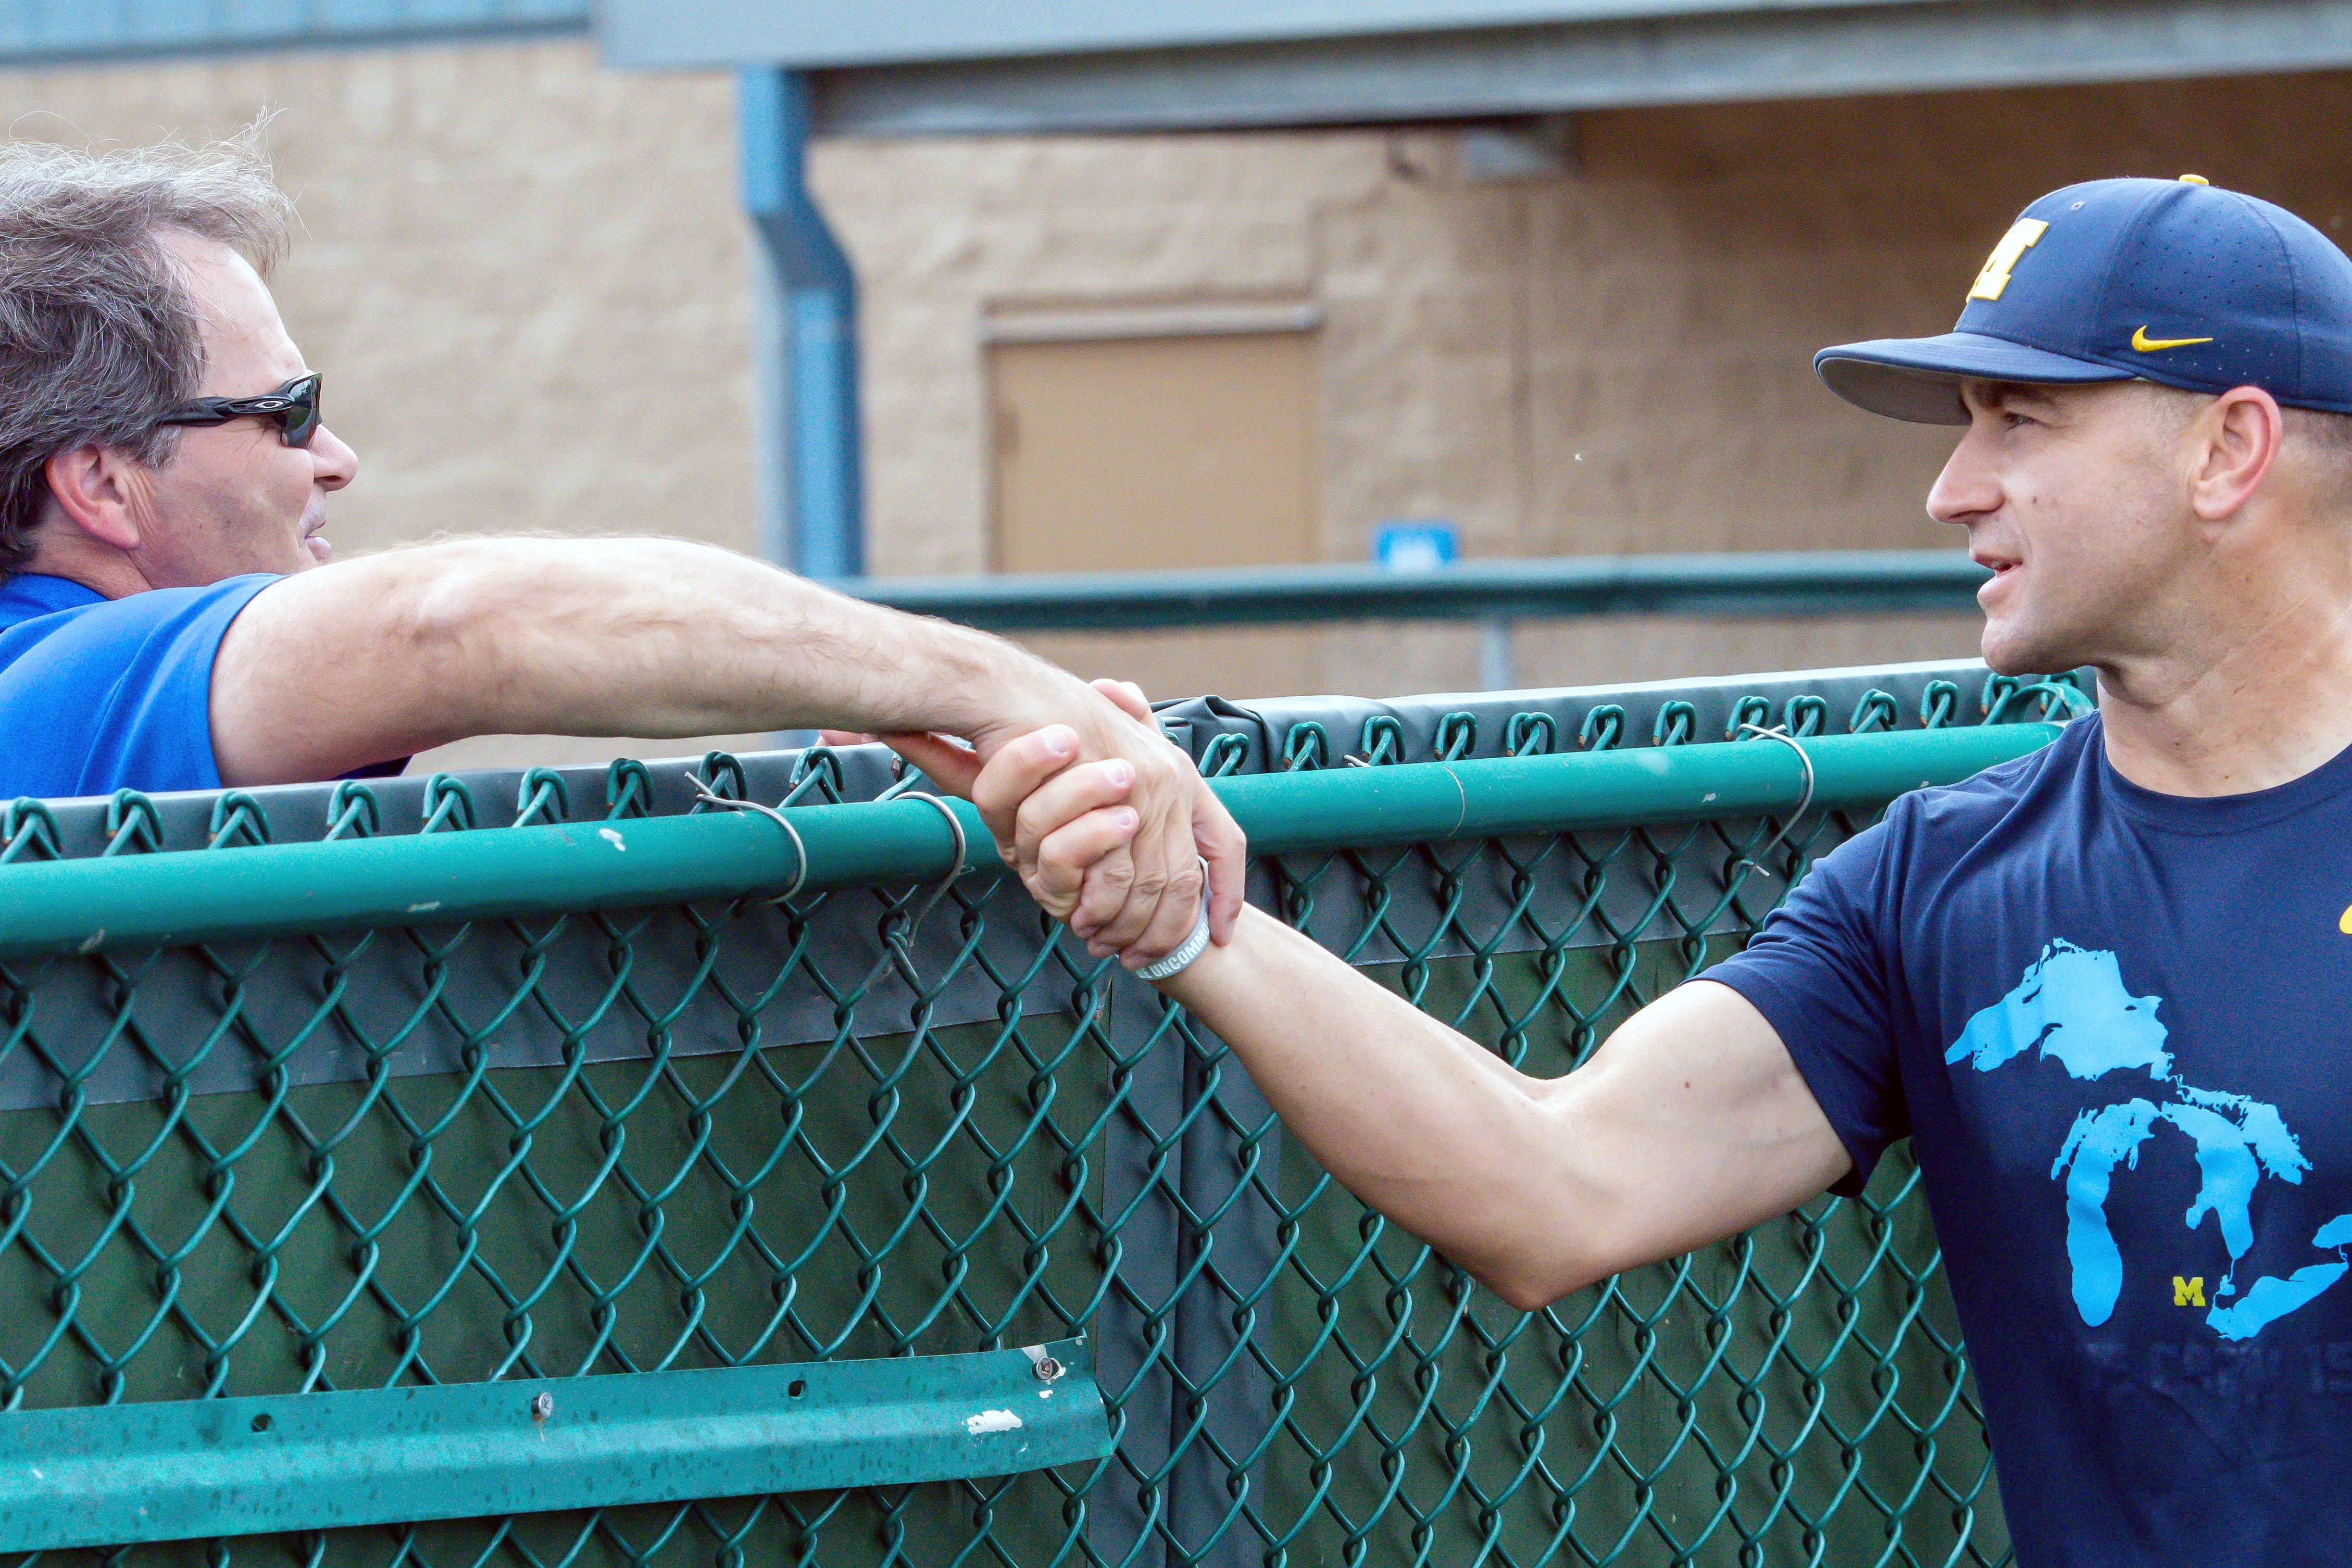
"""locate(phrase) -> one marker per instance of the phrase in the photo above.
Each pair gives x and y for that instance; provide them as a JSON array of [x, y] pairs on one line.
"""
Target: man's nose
[[332, 464], [1968, 487]]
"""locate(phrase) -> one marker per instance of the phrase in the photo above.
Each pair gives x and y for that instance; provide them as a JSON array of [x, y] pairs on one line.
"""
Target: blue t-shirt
[[2118, 1028], [97, 694]]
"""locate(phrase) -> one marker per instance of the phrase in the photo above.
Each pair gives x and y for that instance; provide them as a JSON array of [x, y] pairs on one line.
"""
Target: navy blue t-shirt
[[97, 694], [2118, 1028]]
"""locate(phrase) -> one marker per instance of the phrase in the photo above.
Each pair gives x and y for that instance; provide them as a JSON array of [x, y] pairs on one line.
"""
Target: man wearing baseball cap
[[2105, 989]]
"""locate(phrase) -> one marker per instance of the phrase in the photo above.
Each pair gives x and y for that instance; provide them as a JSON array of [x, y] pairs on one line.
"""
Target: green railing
[[1760, 582], [499, 1170]]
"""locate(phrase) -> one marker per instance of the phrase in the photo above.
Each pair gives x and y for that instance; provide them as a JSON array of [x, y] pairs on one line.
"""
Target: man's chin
[[2010, 651], [316, 550]]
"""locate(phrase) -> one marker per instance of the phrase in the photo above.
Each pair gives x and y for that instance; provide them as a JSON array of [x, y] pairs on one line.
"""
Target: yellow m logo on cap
[[2013, 245]]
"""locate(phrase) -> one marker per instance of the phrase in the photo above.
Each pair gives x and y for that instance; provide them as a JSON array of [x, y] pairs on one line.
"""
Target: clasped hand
[[1114, 832]]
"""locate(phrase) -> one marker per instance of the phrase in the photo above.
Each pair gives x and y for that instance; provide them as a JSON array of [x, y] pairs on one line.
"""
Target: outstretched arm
[[349, 663], [1689, 1124]]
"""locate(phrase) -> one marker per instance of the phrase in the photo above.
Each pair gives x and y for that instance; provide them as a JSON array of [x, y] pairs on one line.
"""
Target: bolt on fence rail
[[311, 1092]]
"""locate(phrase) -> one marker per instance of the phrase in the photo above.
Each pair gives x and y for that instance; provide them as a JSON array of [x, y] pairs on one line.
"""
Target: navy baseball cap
[[2168, 281]]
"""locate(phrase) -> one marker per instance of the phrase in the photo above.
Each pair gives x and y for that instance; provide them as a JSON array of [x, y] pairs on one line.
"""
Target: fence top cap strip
[[184, 897]]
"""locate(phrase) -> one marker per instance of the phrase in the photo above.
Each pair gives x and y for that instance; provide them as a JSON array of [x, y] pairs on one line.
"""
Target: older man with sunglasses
[[169, 619]]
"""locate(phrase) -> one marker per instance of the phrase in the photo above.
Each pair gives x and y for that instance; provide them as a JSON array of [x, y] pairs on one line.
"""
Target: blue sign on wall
[[1426, 545]]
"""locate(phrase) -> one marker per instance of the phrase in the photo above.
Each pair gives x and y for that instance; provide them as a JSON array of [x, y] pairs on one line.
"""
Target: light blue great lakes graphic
[[2073, 1008]]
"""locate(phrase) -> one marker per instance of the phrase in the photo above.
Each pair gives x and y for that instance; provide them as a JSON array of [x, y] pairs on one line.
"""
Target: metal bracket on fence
[[1780, 733], [905, 930], [709, 797], [182, 1469]]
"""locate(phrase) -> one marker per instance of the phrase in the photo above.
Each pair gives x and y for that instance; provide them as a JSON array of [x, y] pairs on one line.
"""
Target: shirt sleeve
[[119, 694], [1818, 970]]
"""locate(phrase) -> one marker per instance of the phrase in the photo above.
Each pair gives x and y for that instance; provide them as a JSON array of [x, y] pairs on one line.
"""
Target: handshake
[[1114, 832]]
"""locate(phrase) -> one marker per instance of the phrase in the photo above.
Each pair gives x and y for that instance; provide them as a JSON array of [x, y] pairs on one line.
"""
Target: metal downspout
[[811, 492]]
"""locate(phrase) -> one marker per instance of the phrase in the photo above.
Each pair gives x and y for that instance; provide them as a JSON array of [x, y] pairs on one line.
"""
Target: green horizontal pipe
[[1287, 814], [222, 895], [429, 879], [1794, 582], [180, 1470]]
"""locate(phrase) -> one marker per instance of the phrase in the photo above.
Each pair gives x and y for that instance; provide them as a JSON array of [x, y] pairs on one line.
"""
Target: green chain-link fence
[[318, 1140]]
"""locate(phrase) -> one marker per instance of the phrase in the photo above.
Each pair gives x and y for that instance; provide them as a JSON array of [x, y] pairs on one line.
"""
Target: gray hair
[[97, 337]]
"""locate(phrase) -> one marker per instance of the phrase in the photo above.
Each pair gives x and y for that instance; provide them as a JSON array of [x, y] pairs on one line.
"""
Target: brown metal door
[[1143, 453]]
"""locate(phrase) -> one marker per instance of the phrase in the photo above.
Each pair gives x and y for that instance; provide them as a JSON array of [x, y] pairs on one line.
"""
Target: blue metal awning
[[917, 67], [902, 32], [36, 32]]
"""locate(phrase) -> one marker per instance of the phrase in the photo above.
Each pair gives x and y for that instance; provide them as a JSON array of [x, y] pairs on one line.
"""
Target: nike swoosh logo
[[2147, 345]]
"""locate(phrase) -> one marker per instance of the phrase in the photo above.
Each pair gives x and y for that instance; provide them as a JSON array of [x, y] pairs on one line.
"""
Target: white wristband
[[1192, 948]]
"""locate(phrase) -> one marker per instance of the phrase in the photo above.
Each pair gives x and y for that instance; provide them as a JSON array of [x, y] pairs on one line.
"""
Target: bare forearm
[[1418, 1120], [1689, 1124], [586, 637], [667, 638]]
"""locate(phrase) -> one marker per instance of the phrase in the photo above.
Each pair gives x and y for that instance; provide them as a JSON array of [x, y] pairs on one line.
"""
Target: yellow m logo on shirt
[[2020, 239], [2189, 1292]]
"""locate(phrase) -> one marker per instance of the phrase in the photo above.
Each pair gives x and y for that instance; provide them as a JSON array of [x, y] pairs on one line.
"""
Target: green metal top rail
[[1792, 583], [178, 898]]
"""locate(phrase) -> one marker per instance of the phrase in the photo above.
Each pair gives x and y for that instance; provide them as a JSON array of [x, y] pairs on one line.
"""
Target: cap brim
[[1918, 379]]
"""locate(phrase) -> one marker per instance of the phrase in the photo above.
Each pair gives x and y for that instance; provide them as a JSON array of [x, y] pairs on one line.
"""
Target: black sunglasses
[[295, 407]]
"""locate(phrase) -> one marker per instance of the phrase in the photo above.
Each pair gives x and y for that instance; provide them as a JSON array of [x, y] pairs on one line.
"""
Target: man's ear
[[90, 486], [2231, 446]]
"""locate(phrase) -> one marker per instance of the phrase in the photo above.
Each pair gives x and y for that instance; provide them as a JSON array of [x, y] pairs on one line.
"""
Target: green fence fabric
[[897, 1118]]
